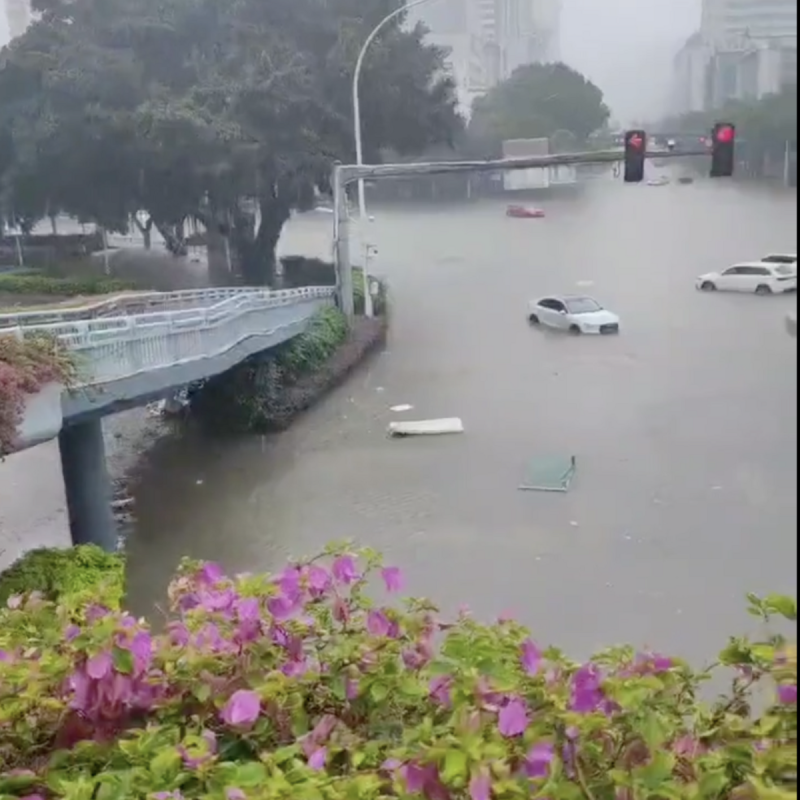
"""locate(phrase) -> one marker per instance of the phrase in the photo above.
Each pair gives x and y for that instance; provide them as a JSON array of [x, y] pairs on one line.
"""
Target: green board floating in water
[[549, 474]]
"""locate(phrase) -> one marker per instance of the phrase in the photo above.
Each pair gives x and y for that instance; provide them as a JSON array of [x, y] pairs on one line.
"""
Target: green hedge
[[68, 574], [16, 283], [309, 351]]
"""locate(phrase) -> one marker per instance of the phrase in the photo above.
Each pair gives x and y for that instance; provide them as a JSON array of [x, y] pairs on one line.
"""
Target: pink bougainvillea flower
[[378, 623], [587, 693], [530, 657], [211, 573], [99, 666], [538, 760], [480, 786], [283, 608], [319, 579], [318, 758], [392, 579], [787, 694], [71, 632], [142, 650], [345, 570], [243, 708], [439, 689], [248, 609], [513, 718]]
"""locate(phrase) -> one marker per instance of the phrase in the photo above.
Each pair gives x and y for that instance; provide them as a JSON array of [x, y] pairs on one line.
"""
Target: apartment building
[[489, 39], [744, 49]]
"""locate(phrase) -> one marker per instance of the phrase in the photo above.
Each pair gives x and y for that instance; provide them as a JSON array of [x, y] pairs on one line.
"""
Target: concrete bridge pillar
[[88, 485]]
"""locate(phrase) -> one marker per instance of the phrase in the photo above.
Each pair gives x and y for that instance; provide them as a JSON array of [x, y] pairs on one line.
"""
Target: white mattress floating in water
[[426, 427]]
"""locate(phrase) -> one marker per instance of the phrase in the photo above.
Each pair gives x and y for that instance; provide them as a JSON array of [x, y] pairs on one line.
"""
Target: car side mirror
[[562, 311]]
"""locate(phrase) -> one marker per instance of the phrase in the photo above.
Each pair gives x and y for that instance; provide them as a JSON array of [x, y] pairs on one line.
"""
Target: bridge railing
[[124, 303], [110, 348]]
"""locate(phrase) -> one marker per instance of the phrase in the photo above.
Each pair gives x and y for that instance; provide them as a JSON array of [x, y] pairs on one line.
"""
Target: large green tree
[[538, 100], [231, 113]]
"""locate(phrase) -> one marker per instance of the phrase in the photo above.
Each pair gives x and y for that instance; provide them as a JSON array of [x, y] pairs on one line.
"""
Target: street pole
[[341, 244], [362, 203]]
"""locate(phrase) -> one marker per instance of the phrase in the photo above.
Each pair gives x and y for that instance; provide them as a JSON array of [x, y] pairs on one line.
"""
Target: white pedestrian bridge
[[135, 348]]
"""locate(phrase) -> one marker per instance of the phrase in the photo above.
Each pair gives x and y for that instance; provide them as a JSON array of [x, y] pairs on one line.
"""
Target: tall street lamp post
[[362, 203]]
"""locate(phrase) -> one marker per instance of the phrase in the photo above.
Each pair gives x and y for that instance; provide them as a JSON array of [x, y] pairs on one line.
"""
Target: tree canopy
[[231, 113], [539, 100]]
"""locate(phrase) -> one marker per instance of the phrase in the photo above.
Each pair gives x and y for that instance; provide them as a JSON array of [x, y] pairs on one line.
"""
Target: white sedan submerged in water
[[573, 313]]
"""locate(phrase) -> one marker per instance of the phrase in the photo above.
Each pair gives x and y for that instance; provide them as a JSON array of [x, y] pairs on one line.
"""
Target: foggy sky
[[626, 47]]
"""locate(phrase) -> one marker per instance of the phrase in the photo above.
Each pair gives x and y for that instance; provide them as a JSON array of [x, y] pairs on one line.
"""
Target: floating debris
[[426, 427], [549, 474]]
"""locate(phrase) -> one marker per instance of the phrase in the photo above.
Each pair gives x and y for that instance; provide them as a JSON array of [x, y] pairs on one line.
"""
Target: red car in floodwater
[[524, 212]]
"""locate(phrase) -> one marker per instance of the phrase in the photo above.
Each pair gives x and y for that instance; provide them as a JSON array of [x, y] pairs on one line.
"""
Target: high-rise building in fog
[[489, 39], [17, 14], [744, 49], [757, 19]]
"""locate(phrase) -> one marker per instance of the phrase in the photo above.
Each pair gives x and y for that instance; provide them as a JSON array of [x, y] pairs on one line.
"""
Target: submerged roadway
[[684, 426]]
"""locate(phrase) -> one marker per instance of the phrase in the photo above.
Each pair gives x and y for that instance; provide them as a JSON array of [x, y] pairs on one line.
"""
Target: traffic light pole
[[346, 174], [349, 173]]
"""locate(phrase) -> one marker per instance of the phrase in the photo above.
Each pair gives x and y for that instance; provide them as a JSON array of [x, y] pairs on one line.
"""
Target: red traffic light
[[636, 141], [725, 134]]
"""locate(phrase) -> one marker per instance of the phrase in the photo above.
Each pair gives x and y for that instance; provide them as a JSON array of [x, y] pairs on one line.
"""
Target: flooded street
[[684, 426]]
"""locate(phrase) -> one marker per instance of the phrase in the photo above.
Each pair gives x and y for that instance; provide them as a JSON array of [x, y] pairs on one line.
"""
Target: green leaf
[[166, 764], [455, 767], [783, 605], [123, 660], [250, 775]]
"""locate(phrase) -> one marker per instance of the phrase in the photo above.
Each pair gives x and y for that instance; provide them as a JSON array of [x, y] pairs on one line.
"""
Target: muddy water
[[684, 426]]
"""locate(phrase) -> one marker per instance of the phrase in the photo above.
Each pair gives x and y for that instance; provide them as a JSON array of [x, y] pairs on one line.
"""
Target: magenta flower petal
[[480, 787], [392, 579], [513, 718], [344, 569], [243, 708], [319, 579], [378, 623], [787, 694], [318, 758], [99, 666], [530, 657], [211, 572], [538, 760]]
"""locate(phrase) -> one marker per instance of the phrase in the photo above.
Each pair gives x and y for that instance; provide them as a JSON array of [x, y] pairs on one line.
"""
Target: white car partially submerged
[[753, 277], [573, 313]]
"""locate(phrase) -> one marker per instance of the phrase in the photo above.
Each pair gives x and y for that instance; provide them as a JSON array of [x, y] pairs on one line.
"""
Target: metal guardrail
[[110, 348], [124, 303]]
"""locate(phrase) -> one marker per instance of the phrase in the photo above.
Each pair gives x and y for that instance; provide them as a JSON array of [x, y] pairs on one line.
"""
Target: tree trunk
[[256, 255], [146, 230], [173, 237]]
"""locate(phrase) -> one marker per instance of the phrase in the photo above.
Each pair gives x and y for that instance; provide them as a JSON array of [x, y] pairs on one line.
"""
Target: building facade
[[488, 39], [745, 49]]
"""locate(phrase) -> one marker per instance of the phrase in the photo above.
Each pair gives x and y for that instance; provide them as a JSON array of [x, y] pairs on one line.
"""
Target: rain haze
[[626, 47]]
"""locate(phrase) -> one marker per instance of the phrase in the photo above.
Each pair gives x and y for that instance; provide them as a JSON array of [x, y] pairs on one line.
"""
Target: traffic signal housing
[[723, 147], [635, 151]]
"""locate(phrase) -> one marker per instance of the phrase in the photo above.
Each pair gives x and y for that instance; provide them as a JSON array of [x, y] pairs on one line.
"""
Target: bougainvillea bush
[[298, 687], [26, 365]]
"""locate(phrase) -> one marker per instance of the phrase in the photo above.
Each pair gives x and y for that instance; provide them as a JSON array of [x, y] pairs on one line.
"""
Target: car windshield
[[583, 305], [784, 270]]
